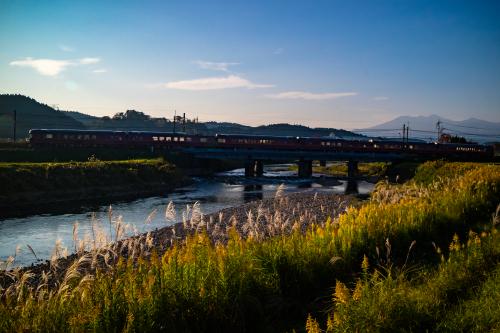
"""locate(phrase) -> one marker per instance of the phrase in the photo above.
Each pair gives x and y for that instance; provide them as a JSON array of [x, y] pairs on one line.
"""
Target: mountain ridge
[[136, 120]]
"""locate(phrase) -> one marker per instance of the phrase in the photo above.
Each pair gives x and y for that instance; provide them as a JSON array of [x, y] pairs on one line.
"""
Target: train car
[[169, 140], [103, 138], [256, 141]]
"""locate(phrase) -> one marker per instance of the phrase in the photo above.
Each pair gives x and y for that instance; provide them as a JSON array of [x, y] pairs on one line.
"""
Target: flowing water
[[224, 190]]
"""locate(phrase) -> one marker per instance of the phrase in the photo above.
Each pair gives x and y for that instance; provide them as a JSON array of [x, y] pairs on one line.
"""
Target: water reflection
[[253, 192]]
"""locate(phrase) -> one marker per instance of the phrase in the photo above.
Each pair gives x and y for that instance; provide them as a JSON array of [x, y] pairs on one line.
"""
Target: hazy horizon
[[319, 63]]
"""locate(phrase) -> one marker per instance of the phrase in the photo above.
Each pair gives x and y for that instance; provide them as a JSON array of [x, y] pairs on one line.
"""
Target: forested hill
[[32, 114]]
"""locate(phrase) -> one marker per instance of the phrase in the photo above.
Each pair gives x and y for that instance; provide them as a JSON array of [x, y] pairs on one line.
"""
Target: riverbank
[[411, 258], [372, 171], [35, 187], [256, 220]]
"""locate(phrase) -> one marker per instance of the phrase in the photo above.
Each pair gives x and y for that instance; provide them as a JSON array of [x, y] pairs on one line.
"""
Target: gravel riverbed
[[258, 219]]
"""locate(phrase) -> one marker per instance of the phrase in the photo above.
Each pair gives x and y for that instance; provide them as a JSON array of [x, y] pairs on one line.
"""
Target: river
[[226, 189]]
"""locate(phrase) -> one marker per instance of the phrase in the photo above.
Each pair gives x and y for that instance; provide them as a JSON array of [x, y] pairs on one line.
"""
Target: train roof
[[253, 136], [90, 131]]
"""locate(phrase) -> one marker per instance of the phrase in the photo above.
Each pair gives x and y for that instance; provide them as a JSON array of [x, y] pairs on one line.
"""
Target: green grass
[[25, 185], [340, 169], [28, 177], [459, 295], [272, 285]]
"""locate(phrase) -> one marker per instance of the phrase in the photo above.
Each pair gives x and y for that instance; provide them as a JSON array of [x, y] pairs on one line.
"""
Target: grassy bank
[[26, 185], [396, 248], [365, 169]]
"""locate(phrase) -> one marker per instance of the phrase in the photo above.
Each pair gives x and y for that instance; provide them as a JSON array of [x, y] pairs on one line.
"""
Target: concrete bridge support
[[351, 186], [254, 168], [305, 169], [352, 169]]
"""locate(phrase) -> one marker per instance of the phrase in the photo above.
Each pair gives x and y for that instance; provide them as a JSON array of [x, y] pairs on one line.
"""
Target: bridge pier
[[254, 168], [351, 186], [322, 163], [352, 169], [305, 169]]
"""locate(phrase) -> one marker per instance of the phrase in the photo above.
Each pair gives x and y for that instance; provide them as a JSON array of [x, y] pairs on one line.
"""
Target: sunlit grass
[[271, 281]]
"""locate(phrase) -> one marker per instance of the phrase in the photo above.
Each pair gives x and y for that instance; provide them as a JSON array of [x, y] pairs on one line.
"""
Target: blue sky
[[346, 64]]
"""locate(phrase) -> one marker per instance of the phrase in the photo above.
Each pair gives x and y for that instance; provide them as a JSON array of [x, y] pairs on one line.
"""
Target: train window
[[181, 139], [203, 139], [411, 147], [375, 146], [221, 140], [339, 144], [94, 137], [176, 139], [168, 138], [79, 137], [364, 146], [155, 138], [86, 137], [188, 139], [49, 136]]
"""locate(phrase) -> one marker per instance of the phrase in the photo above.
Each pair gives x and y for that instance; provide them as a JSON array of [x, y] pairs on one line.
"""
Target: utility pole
[[184, 122], [438, 126], [408, 133], [404, 132], [175, 116], [15, 124]]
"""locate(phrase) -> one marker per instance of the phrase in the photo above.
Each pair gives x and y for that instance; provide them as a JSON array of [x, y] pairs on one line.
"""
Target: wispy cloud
[[89, 61], [215, 66], [380, 98], [214, 83], [66, 48], [52, 67], [310, 96], [279, 50], [100, 70]]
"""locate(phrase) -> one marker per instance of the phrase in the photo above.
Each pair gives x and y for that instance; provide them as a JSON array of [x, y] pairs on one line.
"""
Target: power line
[[479, 128]]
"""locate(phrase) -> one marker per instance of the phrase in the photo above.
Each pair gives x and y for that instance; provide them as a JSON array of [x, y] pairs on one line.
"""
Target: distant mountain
[[83, 118], [278, 130], [424, 127], [30, 114]]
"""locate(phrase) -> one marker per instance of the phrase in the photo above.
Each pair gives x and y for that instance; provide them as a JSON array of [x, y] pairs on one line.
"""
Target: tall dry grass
[[262, 277]]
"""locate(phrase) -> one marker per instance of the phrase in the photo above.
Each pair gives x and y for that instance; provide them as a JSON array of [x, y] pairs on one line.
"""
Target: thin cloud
[[279, 50], [52, 67], [100, 70], [215, 83], [380, 98], [216, 66], [310, 96], [66, 48], [89, 61]]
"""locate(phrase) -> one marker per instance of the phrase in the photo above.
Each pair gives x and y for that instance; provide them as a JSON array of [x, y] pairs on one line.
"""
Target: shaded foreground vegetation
[[28, 184], [397, 263]]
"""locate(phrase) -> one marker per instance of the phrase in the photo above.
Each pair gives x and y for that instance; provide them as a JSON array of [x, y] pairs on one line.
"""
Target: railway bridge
[[254, 150], [254, 159]]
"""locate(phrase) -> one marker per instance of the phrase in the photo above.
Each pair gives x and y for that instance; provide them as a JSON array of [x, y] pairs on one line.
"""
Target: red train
[[168, 140]]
